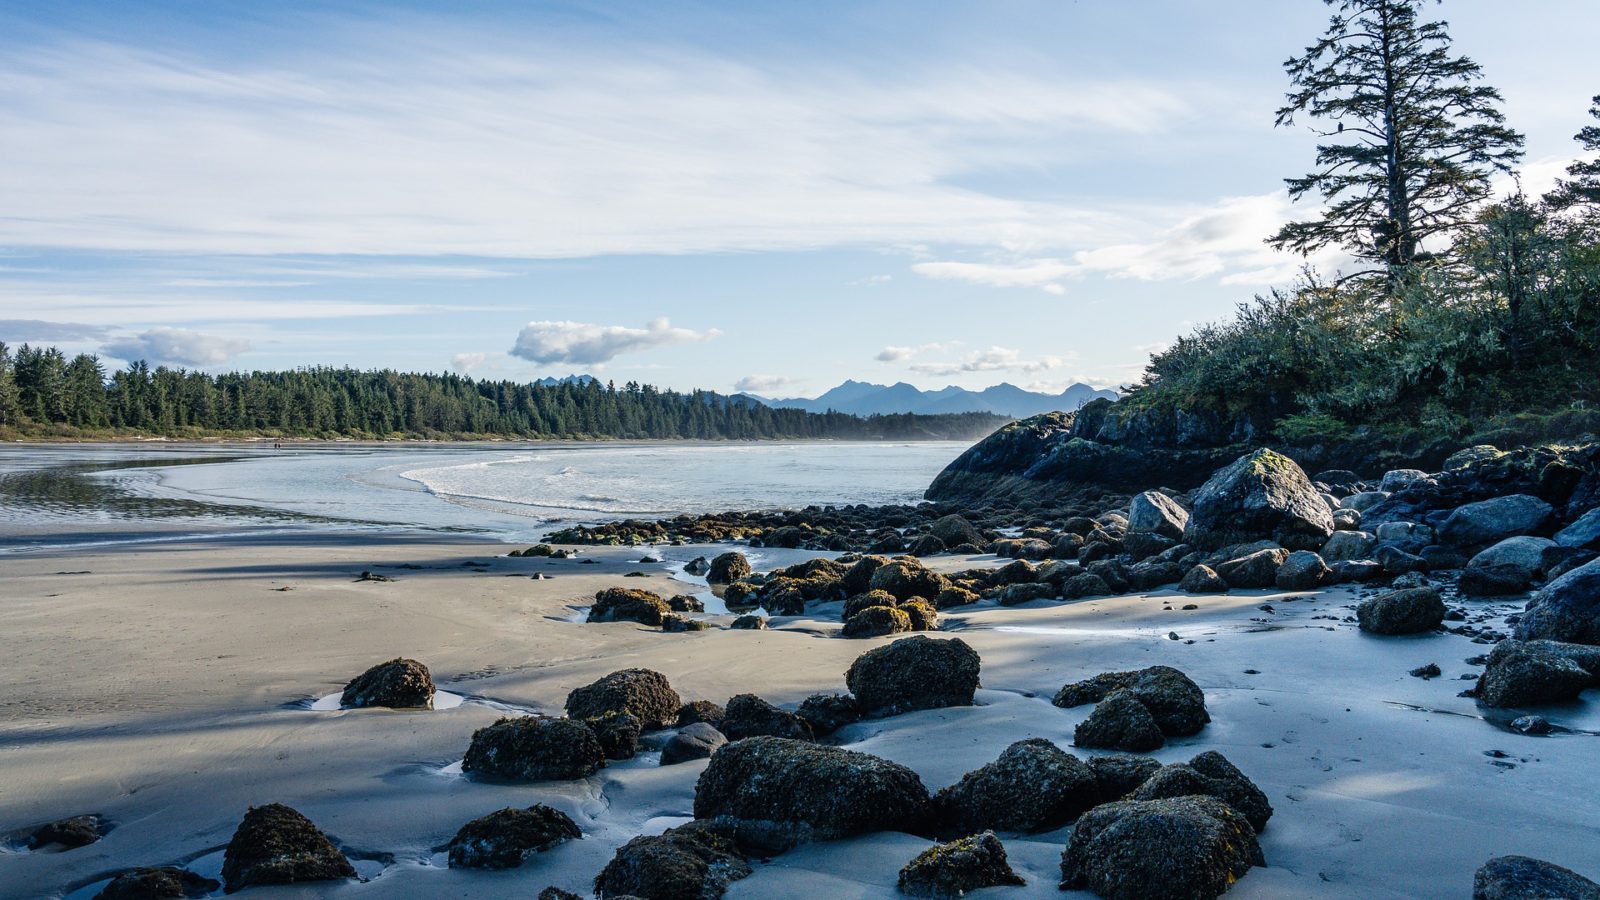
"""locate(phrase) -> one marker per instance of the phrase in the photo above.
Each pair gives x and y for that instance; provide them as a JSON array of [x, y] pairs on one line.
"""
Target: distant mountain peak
[[865, 398]]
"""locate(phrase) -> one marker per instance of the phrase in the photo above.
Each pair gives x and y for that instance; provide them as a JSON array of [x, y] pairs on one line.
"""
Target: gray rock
[[535, 748], [1523, 878], [1203, 580], [1488, 521], [1212, 775], [1566, 609], [1346, 519], [1478, 453], [642, 693], [695, 741], [1584, 533], [1408, 536], [1365, 500], [1493, 581], [1302, 570], [1524, 552], [954, 869], [697, 566], [1400, 479], [1119, 722], [696, 860], [1155, 512], [505, 838], [914, 673], [1346, 545], [1186, 848], [1262, 494], [1409, 611], [1396, 561], [1531, 725], [1256, 570], [1033, 786], [1529, 674]]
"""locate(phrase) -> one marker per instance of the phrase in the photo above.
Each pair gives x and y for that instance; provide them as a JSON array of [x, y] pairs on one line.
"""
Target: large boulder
[[1493, 581], [1176, 703], [914, 673], [1584, 533], [277, 845], [158, 883], [1033, 786], [535, 748], [399, 683], [1203, 579], [827, 713], [877, 621], [695, 741], [618, 734], [1253, 570], [504, 838], [1524, 878], [1302, 570], [1184, 848], [750, 716], [953, 531], [1212, 775], [954, 869], [1566, 609], [1524, 552], [642, 693], [693, 861], [1155, 512], [1121, 774], [1533, 673], [628, 605], [1409, 611], [1119, 722], [727, 568], [1488, 521], [907, 578], [1260, 495], [780, 793]]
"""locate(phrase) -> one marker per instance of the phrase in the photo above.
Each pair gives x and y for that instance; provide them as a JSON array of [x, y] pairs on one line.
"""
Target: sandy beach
[[167, 688]]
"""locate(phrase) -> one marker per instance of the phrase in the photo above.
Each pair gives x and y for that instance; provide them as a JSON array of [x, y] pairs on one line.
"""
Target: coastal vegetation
[[45, 395]]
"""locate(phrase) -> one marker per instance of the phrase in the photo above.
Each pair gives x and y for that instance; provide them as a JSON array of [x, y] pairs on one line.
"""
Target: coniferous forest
[[45, 394]]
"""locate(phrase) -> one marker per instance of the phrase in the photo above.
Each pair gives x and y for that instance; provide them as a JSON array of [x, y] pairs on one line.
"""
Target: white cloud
[[179, 346], [893, 354], [994, 359], [18, 330], [581, 344], [467, 362], [759, 384], [1039, 273]]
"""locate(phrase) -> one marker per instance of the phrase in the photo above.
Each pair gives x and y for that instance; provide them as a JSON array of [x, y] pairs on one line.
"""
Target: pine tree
[[1411, 137], [1584, 187], [10, 398]]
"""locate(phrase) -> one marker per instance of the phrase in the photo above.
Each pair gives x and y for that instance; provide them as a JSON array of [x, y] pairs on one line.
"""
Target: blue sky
[[763, 196]]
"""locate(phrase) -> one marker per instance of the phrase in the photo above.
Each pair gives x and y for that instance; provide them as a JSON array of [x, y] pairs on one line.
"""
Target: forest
[[45, 395]]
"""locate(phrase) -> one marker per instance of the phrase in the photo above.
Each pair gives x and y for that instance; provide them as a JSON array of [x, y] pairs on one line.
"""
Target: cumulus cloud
[[581, 344], [1044, 274], [759, 384], [994, 359], [466, 362], [178, 346], [894, 354], [15, 330]]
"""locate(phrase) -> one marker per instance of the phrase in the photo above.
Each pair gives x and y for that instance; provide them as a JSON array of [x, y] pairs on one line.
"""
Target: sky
[[761, 196]]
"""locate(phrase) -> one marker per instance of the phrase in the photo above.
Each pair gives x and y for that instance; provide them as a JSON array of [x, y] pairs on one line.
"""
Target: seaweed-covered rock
[[750, 716], [1496, 519], [1302, 570], [827, 713], [1253, 570], [907, 578], [696, 741], [1175, 702], [1525, 878], [1203, 579], [953, 869], [858, 578], [503, 839], [70, 833], [399, 683], [1260, 495], [554, 893], [1119, 775], [693, 862], [685, 603], [1155, 512], [277, 845], [926, 545], [628, 605], [750, 623], [700, 711], [727, 568], [1119, 722], [877, 621], [1033, 786], [535, 748], [914, 673], [1086, 585], [954, 596], [779, 793], [1185, 848], [954, 531], [1408, 611], [642, 693], [1213, 775], [866, 600], [1530, 674], [921, 614], [157, 883], [618, 734], [674, 623], [1566, 609]]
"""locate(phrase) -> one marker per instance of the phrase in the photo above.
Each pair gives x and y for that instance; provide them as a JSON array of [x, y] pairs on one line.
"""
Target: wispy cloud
[[758, 384], [40, 330], [893, 354], [581, 344], [176, 345], [1045, 274], [994, 359]]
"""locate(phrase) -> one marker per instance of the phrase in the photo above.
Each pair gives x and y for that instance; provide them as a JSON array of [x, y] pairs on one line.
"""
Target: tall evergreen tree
[[1583, 188], [1410, 136], [10, 399]]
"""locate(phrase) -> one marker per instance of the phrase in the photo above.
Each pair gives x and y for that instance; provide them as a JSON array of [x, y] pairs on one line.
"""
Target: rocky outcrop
[[1177, 849], [277, 845], [954, 869], [535, 748], [641, 693], [779, 793], [399, 683], [1260, 495], [1566, 609], [1525, 878], [1033, 786], [1488, 521], [914, 673], [503, 839]]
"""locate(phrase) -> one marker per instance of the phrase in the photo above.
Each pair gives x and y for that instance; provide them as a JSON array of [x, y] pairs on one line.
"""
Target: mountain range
[[864, 399]]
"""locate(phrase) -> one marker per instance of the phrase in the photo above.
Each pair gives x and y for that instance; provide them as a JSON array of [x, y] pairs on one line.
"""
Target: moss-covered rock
[[1186, 848], [1176, 703], [535, 748], [1212, 775], [1033, 786], [953, 869], [158, 883], [827, 713], [642, 693], [914, 673], [866, 600], [906, 578], [877, 621], [750, 716], [618, 734], [694, 862], [700, 711], [399, 683], [277, 845], [503, 839], [728, 568], [628, 605]]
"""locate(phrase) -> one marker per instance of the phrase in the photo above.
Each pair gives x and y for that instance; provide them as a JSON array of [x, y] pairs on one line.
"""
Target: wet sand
[[167, 687]]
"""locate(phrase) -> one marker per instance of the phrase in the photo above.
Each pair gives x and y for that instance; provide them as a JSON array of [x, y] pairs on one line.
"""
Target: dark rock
[[921, 613], [750, 623], [1033, 786], [1018, 594], [1302, 570], [683, 603], [277, 845], [151, 883], [1253, 570], [1531, 725], [750, 716], [1119, 722], [1431, 670], [1112, 572], [1409, 611], [907, 578], [1145, 544], [1203, 580], [1439, 558], [1149, 575], [1185, 848], [866, 601], [1155, 512], [1260, 495], [1019, 572], [628, 605], [877, 621], [780, 793], [914, 673], [673, 623], [700, 711], [954, 530], [1566, 609], [926, 545], [1085, 585], [71, 833], [697, 566], [1525, 553], [694, 741], [1119, 775], [1584, 533], [953, 869], [1530, 674], [535, 748], [728, 568], [399, 683], [1398, 562], [954, 596], [618, 734], [1212, 775], [858, 578], [554, 893], [1488, 521], [1493, 581], [827, 713], [1357, 570], [1523, 878], [642, 693], [503, 839], [1176, 702], [1345, 545], [692, 862]]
